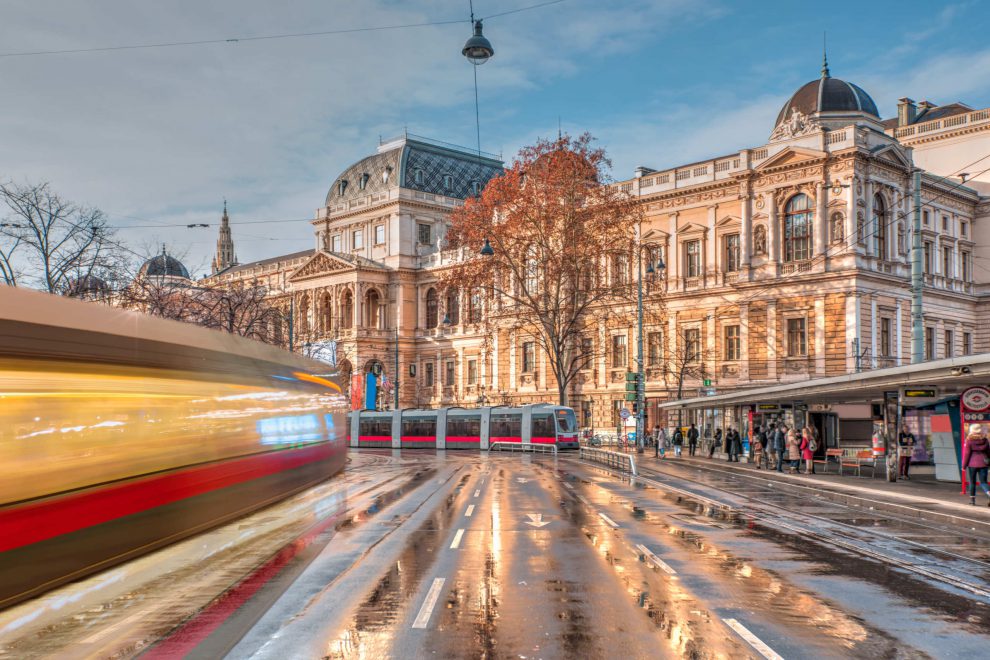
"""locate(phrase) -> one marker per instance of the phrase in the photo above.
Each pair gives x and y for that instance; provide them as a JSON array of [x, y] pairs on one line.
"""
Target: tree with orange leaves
[[561, 239]]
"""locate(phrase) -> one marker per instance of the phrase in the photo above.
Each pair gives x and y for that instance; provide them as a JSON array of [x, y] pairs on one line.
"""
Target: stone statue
[[838, 228], [760, 239]]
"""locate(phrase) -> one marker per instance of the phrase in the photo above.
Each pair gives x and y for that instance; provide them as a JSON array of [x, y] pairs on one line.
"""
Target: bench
[[829, 455], [860, 460]]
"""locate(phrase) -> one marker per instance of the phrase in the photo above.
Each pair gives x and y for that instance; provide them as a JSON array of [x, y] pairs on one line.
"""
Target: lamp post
[[641, 375], [477, 50]]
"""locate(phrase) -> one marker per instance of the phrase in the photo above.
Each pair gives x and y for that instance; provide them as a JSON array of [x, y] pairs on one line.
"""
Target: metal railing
[[523, 446], [612, 459]]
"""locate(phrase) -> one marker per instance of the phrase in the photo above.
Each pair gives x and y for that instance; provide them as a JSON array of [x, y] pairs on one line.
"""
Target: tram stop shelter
[[848, 409]]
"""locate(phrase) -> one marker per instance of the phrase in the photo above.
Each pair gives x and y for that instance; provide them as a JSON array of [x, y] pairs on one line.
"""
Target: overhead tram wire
[[269, 37]]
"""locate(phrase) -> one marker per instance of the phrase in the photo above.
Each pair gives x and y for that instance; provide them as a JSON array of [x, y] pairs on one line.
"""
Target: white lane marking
[[583, 501], [656, 560], [753, 640], [457, 539], [477, 492], [469, 511], [426, 611], [567, 485], [608, 520]]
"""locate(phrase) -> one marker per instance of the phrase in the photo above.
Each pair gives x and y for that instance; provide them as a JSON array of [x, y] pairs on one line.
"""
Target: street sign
[[624, 413], [631, 396], [708, 382]]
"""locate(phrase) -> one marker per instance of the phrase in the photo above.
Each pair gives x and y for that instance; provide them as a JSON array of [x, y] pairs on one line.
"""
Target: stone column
[[674, 253], [850, 228], [511, 385], [711, 249], [852, 330], [821, 221], [746, 235], [672, 339], [873, 331], [772, 340], [602, 379], [870, 228], [773, 234], [819, 336], [710, 343], [897, 332]]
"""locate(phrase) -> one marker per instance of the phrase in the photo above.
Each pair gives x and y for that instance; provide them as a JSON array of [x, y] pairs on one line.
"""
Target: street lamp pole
[[640, 398]]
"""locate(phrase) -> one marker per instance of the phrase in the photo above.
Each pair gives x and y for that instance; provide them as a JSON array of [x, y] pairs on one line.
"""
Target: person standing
[[779, 446], [905, 449], [692, 439], [678, 441], [793, 451], [716, 442], [735, 445], [661, 439], [976, 459], [759, 447], [807, 450]]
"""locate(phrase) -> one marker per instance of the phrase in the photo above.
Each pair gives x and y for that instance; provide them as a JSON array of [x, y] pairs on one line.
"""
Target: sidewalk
[[920, 496]]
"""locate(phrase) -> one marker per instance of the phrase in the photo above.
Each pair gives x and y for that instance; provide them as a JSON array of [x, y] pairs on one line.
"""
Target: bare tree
[[238, 308], [9, 242], [58, 241], [687, 360]]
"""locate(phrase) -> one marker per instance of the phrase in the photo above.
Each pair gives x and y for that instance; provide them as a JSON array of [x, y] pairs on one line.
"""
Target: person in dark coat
[[735, 445], [692, 439], [678, 441], [716, 442], [779, 445]]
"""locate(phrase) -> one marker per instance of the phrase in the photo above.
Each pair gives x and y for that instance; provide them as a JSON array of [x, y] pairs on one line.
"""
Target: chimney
[[906, 112], [642, 171], [924, 107]]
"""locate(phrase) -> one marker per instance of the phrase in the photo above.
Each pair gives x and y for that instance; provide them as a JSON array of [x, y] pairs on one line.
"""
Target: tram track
[[795, 522]]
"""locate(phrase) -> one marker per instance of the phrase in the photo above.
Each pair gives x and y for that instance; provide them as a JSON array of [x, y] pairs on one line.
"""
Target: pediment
[[728, 220], [321, 264], [790, 156], [692, 228], [893, 155], [656, 235]]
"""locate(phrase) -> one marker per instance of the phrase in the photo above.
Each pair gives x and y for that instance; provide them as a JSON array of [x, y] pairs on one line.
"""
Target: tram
[[464, 428], [121, 433]]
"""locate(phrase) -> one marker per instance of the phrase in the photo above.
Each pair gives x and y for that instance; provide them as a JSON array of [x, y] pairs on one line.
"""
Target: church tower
[[225, 257]]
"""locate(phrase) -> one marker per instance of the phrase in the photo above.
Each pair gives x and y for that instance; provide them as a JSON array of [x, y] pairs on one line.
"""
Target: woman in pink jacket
[[976, 459], [806, 453]]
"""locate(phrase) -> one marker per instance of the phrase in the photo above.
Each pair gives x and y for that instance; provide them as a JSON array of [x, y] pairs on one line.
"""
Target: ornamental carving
[[760, 202], [796, 125], [730, 370], [795, 366], [760, 239], [860, 228]]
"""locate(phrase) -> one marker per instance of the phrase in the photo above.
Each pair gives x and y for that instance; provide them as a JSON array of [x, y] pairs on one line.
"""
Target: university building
[[783, 262]]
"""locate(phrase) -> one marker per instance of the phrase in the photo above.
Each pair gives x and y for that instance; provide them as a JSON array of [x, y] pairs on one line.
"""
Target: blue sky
[[159, 137]]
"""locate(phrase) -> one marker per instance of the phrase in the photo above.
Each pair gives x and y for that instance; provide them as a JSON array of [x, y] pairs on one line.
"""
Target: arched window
[[474, 307], [418, 177], [326, 307], [363, 181], [372, 310], [454, 306], [448, 182], [880, 222], [341, 186], [432, 308], [304, 314], [798, 219], [346, 310]]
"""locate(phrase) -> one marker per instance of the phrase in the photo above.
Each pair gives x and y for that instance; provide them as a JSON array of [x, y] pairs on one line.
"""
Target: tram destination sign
[[767, 407]]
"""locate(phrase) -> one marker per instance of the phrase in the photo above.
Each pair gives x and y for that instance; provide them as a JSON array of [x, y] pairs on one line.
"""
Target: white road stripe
[[656, 560], [469, 511], [753, 640], [583, 501], [457, 539], [608, 520], [426, 611], [567, 485], [477, 492]]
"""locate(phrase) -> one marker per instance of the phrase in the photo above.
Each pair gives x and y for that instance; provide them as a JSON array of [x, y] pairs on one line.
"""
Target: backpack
[[812, 443]]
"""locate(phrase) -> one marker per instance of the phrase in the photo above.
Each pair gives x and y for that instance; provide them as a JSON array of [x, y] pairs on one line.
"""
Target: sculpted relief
[[796, 125], [760, 239]]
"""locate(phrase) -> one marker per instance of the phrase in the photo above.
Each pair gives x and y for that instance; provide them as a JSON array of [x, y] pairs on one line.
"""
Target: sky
[[159, 137]]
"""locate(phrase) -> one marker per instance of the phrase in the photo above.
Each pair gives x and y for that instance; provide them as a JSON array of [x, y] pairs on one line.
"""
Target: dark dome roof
[[88, 284], [828, 94], [163, 265]]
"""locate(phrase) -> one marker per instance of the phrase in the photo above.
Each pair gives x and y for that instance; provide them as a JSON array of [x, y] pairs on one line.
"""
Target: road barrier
[[613, 459], [523, 446]]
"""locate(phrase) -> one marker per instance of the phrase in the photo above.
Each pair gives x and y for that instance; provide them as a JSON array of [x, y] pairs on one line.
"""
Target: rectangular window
[[926, 258], [949, 348], [451, 376], [428, 374], [379, 234], [885, 337], [963, 229], [966, 264], [947, 261], [945, 223], [586, 414], [692, 258], [587, 352], [472, 372], [619, 356], [654, 349], [357, 239], [926, 217], [929, 343], [335, 243], [692, 345], [528, 357], [967, 343], [733, 350], [506, 425], [797, 338], [620, 268], [424, 235], [732, 253]]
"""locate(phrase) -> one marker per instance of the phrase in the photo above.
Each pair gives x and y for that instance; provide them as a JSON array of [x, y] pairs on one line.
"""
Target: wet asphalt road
[[427, 555]]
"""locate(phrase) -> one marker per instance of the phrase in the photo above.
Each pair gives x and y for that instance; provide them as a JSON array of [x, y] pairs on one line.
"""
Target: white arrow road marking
[[536, 520], [469, 511], [477, 492], [423, 618], [753, 640], [608, 520], [457, 539], [652, 558], [522, 480]]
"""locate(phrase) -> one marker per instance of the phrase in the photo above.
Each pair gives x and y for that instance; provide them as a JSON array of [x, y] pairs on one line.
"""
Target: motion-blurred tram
[[121, 433], [465, 428]]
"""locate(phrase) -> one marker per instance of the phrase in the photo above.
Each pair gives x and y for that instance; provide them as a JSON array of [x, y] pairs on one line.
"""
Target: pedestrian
[[808, 450], [735, 445], [779, 446], [716, 442], [692, 439], [678, 441], [793, 451], [759, 447], [905, 448], [976, 459]]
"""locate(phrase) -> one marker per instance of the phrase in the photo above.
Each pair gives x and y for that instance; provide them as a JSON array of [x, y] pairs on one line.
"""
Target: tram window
[[566, 421], [464, 427], [506, 425], [543, 426], [372, 426], [421, 427]]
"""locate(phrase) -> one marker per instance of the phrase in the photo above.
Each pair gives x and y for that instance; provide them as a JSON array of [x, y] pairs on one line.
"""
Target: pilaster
[[820, 336], [772, 340]]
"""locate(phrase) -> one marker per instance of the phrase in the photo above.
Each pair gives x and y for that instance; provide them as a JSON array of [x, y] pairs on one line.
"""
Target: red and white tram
[[464, 428]]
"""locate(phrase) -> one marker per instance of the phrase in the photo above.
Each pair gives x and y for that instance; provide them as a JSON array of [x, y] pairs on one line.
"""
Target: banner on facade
[[357, 391]]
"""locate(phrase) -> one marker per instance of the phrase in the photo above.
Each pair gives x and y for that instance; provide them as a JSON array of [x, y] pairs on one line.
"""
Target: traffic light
[[632, 386]]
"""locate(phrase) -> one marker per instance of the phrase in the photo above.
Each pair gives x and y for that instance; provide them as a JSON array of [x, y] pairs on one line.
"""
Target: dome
[[88, 286], [828, 95], [164, 265]]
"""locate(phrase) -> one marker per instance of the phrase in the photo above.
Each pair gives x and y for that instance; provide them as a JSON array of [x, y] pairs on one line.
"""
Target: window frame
[[967, 343], [797, 248], [472, 371], [528, 359], [654, 348], [380, 234], [885, 337], [336, 242], [619, 354], [796, 328], [450, 373], [731, 253], [421, 228], [357, 239], [732, 342], [949, 343], [692, 338], [429, 379], [692, 258]]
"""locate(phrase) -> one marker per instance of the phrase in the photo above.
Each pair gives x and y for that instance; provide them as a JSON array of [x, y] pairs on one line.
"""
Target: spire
[[825, 73], [225, 257]]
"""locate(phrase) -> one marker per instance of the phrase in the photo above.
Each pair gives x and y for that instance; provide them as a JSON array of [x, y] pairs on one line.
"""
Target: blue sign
[[370, 392]]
